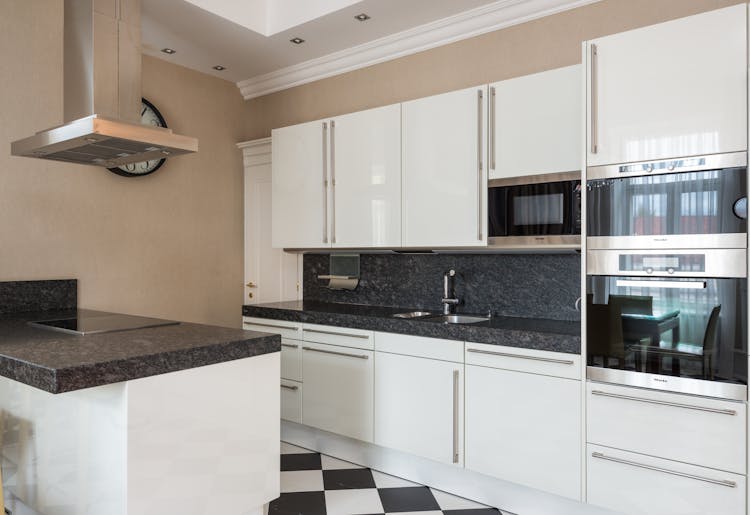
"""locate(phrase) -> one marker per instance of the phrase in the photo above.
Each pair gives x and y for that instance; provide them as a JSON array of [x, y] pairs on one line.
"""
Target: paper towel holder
[[344, 272]]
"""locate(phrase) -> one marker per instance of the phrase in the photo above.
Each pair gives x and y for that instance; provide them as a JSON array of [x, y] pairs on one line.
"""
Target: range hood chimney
[[102, 93]]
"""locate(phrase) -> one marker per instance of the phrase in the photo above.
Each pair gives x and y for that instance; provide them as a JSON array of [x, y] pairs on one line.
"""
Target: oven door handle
[[677, 285]]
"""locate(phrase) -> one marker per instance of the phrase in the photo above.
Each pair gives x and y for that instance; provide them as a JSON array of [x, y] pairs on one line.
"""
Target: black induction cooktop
[[88, 323]]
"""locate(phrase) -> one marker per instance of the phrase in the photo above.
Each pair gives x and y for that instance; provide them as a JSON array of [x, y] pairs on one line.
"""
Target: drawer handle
[[520, 356], [360, 356], [722, 482], [293, 388], [291, 327], [290, 345], [364, 336], [664, 403]]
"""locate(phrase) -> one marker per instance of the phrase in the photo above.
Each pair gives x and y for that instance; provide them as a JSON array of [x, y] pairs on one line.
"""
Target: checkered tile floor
[[316, 484]]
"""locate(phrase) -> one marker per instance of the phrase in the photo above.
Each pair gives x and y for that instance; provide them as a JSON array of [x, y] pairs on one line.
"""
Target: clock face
[[150, 115]]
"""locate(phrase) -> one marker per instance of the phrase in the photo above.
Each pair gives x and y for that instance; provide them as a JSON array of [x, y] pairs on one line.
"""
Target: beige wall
[[167, 245], [532, 47]]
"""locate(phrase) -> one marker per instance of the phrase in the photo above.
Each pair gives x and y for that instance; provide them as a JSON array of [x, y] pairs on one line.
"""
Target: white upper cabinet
[[300, 199], [669, 90], [366, 178], [535, 124], [444, 184]]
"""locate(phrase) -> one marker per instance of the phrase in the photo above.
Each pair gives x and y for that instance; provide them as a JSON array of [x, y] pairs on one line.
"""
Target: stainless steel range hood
[[102, 93]]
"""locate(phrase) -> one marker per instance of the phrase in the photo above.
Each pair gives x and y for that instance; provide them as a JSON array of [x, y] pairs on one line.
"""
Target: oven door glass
[[685, 327], [691, 203]]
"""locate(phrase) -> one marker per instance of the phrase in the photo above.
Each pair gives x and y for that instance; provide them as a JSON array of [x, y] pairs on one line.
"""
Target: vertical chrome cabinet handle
[[493, 116], [455, 415], [325, 182], [594, 100], [480, 165], [333, 181]]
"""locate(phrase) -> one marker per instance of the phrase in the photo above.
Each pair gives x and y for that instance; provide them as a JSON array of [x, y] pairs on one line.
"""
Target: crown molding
[[474, 22]]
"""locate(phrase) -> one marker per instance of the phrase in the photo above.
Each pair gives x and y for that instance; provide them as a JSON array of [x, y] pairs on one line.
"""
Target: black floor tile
[[415, 498], [473, 511], [299, 503], [306, 461], [342, 479]]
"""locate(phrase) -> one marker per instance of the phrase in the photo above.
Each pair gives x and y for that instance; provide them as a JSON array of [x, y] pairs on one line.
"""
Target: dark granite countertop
[[58, 362], [530, 333]]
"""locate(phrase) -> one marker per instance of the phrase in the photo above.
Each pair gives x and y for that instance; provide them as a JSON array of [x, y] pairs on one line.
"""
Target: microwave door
[[539, 209]]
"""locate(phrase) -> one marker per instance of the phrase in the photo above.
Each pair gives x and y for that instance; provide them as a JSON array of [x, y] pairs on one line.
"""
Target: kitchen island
[[180, 419]]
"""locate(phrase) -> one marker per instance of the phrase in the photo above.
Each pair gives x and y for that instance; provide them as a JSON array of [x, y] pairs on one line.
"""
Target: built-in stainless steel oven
[[668, 319], [696, 202], [537, 210]]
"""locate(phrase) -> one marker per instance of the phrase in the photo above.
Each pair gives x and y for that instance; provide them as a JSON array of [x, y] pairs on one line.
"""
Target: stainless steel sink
[[459, 319], [413, 314]]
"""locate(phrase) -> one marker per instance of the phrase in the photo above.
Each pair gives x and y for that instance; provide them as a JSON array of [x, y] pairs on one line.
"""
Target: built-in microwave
[[541, 210]]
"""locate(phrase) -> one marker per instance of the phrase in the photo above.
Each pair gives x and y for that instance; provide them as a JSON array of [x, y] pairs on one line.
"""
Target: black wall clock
[[150, 115]]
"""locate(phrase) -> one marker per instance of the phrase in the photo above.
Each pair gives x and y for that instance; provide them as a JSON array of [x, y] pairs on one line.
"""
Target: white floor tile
[[353, 502], [451, 502], [287, 448], [301, 481], [386, 481], [330, 463]]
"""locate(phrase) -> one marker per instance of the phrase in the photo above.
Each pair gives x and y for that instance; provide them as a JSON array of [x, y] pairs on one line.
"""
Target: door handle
[[360, 356], [456, 376], [325, 182], [594, 100]]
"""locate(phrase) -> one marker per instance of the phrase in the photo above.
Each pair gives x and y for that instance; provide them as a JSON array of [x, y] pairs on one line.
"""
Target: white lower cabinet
[[643, 485], [291, 400], [524, 427], [419, 406], [338, 394]]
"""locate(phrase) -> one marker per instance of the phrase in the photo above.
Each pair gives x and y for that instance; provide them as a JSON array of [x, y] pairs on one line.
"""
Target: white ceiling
[[203, 39]]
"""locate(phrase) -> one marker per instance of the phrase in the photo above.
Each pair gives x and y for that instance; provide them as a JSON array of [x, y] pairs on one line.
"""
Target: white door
[[444, 184], [300, 193], [419, 406], [535, 124], [669, 90], [366, 178], [524, 428], [338, 389], [271, 275]]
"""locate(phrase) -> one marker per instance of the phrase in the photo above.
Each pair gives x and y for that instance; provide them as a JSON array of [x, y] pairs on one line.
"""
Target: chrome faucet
[[450, 301]]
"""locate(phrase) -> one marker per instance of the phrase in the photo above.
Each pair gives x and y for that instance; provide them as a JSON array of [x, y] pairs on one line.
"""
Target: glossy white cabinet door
[[291, 400], [524, 428], [669, 90], [535, 124], [419, 406], [338, 389], [300, 197], [366, 178], [444, 184], [637, 484]]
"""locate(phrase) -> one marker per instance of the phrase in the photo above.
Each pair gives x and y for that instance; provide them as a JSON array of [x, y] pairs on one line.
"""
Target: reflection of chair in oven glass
[[685, 351], [605, 326]]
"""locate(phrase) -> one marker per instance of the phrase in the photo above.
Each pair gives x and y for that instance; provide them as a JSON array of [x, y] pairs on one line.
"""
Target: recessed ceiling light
[[297, 41], [169, 51], [219, 68], [362, 17]]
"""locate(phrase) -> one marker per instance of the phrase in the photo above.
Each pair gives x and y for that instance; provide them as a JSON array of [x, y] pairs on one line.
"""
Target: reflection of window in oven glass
[[699, 211], [649, 213]]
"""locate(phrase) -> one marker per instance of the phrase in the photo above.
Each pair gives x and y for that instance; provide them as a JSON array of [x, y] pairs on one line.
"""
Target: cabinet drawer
[[291, 359], [291, 401], [421, 347], [643, 485], [557, 364], [288, 330], [706, 432], [338, 336]]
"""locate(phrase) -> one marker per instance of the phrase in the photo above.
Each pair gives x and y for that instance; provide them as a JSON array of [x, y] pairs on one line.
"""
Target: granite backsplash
[[25, 296], [521, 285]]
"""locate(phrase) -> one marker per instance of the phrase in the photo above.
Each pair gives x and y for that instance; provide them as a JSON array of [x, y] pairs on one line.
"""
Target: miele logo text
[[660, 380]]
